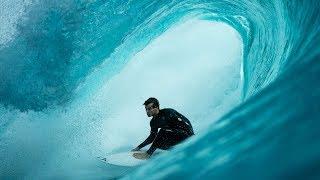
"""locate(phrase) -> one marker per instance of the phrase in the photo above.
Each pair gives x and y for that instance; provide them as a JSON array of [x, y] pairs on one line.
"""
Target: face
[[151, 111]]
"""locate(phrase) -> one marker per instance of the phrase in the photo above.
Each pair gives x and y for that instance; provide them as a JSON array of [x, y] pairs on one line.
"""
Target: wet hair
[[152, 100]]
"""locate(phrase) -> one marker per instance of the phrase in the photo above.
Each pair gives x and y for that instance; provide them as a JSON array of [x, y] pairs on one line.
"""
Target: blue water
[[60, 59]]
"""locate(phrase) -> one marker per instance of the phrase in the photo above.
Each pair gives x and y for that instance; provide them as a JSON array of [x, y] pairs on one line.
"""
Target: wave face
[[55, 45]]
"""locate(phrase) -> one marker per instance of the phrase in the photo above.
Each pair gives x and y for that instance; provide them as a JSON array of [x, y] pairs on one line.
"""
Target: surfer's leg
[[166, 138]]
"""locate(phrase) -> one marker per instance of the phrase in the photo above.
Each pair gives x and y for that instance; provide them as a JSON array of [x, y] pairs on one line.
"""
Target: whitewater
[[74, 76]]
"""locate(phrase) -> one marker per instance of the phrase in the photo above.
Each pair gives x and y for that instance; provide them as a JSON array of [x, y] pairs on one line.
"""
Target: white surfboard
[[123, 159]]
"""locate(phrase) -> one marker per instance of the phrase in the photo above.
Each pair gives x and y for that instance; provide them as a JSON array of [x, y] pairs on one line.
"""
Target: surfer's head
[[152, 106]]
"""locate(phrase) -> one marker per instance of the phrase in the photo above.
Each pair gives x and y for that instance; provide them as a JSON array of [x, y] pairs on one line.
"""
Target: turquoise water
[[57, 56]]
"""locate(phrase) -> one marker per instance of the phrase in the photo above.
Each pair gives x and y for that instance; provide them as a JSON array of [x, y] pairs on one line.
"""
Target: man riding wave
[[174, 128]]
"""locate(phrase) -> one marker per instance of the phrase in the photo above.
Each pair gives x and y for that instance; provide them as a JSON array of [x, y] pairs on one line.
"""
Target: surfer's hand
[[136, 149], [141, 155]]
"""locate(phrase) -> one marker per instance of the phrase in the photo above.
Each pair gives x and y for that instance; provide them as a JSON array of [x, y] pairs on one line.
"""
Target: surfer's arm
[[152, 136], [182, 120], [149, 139]]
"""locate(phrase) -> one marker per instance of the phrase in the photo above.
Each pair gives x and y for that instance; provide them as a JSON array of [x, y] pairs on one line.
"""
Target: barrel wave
[[56, 57]]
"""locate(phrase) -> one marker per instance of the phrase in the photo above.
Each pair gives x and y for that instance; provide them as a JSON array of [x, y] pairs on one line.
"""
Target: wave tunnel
[[74, 76]]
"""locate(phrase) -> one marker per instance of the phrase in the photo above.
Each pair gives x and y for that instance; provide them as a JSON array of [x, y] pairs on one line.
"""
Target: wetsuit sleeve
[[151, 137], [182, 121]]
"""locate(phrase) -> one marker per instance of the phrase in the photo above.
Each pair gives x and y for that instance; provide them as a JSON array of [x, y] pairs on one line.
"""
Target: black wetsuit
[[174, 128]]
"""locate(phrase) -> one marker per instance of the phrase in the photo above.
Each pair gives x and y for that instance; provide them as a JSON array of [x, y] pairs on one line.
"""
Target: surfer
[[174, 128]]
